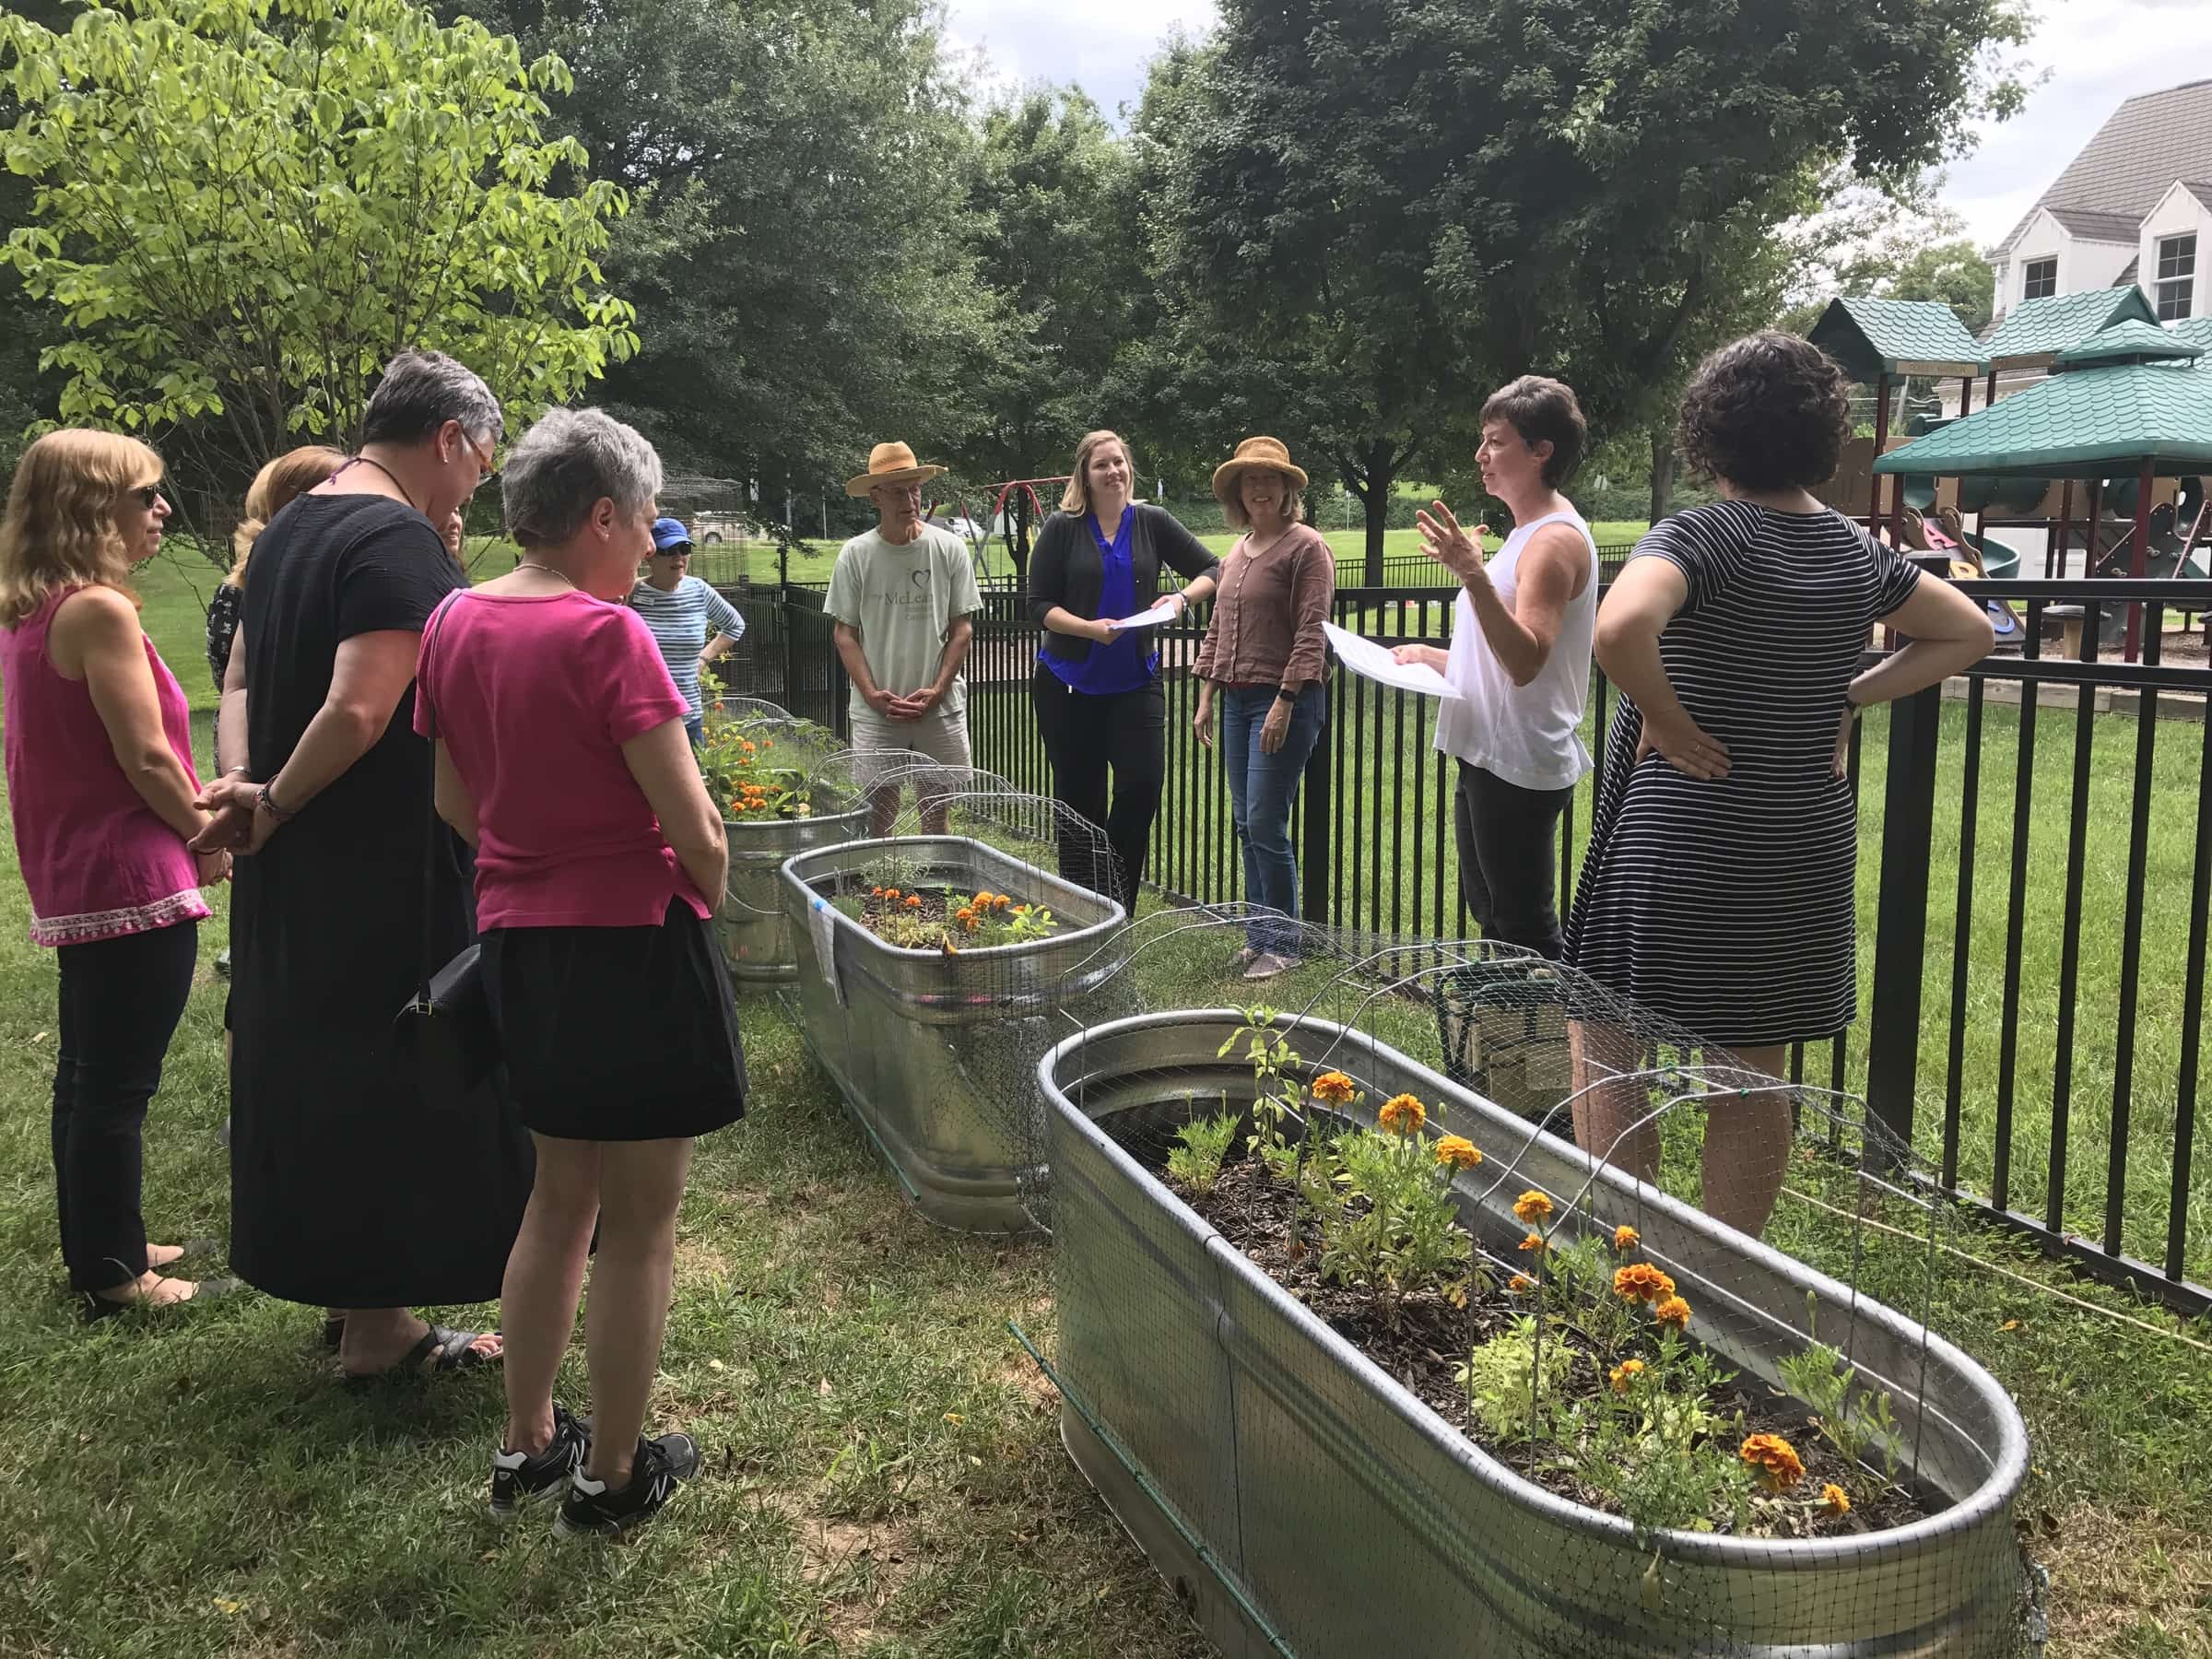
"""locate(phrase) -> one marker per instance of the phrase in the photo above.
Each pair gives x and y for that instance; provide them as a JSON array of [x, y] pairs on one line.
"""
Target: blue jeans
[[1260, 790], [695, 728]]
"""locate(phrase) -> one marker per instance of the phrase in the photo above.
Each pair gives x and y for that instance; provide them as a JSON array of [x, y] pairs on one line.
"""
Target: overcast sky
[[2098, 52]]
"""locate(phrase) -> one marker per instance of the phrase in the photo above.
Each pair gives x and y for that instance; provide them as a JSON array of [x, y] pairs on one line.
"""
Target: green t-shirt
[[902, 602]]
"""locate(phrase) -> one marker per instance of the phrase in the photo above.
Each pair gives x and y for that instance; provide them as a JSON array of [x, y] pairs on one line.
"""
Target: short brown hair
[[1543, 410], [1769, 411], [291, 474], [1232, 504], [1075, 498], [61, 529]]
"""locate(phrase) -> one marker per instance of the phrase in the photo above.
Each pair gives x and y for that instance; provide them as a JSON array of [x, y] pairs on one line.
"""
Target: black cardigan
[[1067, 570]]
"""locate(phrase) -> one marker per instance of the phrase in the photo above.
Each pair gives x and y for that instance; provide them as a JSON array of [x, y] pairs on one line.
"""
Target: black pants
[[1086, 737], [121, 1002], [1509, 840]]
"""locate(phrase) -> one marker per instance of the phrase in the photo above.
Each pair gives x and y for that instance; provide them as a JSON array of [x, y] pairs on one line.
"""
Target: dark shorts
[[617, 1033]]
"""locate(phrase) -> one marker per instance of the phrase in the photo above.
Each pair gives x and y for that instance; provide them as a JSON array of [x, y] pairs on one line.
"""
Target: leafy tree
[[1874, 246], [242, 206], [800, 248], [1403, 202]]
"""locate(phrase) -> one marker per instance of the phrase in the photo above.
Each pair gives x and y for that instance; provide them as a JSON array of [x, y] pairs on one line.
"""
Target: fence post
[[1901, 924], [1314, 854], [791, 651]]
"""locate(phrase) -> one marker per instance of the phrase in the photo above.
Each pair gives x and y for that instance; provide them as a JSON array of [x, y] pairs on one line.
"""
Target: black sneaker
[[518, 1477], [591, 1509]]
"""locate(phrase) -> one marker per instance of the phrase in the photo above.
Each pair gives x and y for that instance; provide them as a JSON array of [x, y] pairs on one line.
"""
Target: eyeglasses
[[146, 495], [486, 471]]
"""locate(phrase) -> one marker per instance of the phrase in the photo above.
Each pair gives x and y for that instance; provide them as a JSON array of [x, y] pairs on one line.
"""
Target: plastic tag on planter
[[821, 921]]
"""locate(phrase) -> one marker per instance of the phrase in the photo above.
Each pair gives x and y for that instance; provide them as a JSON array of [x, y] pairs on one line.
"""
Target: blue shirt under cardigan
[[1125, 665]]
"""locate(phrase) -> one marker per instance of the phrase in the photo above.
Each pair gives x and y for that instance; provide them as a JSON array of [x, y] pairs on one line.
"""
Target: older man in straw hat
[[901, 596]]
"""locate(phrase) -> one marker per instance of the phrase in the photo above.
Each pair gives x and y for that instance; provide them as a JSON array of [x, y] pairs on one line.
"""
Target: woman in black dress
[[1718, 887], [1100, 708], [347, 1189]]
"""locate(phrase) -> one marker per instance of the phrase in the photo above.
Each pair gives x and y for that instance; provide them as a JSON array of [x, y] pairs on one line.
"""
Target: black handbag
[[444, 1036]]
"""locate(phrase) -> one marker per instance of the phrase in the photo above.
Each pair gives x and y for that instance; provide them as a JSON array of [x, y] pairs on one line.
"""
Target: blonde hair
[[291, 474], [1294, 500], [1075, 498], [61, 530]]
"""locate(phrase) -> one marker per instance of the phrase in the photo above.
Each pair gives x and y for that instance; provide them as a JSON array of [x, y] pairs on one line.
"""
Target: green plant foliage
[[1194, 1161], [1515, 1383], [243, 207]]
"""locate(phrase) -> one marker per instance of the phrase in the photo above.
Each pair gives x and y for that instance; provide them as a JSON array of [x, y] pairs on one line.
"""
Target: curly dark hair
[[1769, 411]]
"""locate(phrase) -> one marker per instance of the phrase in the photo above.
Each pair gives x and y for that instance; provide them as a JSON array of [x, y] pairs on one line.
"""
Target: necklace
[[372, 460], [526, 564]]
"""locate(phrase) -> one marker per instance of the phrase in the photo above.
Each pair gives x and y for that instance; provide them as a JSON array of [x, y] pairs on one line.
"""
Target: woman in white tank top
[[1519, 658]]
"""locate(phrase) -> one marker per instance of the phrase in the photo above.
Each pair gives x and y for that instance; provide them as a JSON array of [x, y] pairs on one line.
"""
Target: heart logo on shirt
[[919, 577]]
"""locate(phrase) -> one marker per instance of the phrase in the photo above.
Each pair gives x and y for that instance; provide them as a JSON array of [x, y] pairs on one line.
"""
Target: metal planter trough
[[937, 1056], [756, 936], [1302, 1501]]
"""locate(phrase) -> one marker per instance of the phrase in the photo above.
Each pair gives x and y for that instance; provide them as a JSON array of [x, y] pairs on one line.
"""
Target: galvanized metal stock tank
[[1346, 1519], [755, 933], [937, 1056]]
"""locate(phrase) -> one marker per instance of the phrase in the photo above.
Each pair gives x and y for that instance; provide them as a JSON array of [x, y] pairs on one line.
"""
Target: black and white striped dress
[[1728, 905]]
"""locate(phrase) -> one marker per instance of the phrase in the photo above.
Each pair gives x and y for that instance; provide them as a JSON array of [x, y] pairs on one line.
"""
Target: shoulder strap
[[430, 846]]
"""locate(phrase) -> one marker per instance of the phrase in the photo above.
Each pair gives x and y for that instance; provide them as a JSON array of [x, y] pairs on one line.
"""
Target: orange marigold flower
[[1000, 901], [1834, 1501], [970, 921], [1457, 1152], [965, 913], [1520, 1282], [1532, 1208], [1404, 1113], [1673, 1310], [1625, 1237], [1333, 1086], [892, 894], [1775, 1461], [913, 901], [875, 892], [1535, 1242], [1640, 1281], [1622, 1375]]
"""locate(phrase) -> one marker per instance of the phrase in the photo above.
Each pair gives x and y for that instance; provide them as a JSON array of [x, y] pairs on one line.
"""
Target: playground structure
[[1018, 506], [2104, 460]]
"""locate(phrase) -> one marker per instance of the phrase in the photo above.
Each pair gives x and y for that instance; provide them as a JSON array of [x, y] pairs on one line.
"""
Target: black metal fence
[[2033, 923]]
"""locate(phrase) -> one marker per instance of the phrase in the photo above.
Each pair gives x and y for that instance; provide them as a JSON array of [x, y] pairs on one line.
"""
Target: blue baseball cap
[[669, 534]]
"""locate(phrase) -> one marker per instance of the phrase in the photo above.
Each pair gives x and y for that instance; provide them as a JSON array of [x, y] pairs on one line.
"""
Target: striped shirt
[[680, 622]]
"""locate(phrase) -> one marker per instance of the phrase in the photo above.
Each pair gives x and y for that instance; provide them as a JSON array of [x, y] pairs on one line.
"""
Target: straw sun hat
[[890, 464], [1268, 453]]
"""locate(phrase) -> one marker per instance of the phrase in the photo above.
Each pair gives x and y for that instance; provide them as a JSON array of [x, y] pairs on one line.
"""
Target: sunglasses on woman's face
[[146, 495]]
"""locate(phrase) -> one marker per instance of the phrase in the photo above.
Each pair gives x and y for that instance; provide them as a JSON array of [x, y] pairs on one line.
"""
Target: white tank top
[[1525, 734]]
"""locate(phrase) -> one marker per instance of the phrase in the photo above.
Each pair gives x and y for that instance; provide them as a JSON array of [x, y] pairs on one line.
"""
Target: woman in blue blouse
[[1099, 704]]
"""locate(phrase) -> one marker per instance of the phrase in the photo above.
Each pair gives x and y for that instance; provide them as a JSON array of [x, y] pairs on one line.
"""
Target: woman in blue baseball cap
[[681, 611]]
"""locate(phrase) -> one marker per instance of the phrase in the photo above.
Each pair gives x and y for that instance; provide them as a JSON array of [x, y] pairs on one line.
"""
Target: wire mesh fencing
[[1412, 1300]]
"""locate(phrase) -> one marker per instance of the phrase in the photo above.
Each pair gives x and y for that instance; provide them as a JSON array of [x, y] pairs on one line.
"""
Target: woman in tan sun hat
[[901, 596], [1100, 707], [1264, 656]]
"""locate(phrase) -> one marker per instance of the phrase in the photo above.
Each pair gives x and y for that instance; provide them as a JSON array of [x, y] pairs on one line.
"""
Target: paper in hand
[[1163, 612], [1372, 661]]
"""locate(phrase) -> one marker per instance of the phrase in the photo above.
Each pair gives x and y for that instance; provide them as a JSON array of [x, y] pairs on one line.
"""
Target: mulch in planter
[[1431, 1338]]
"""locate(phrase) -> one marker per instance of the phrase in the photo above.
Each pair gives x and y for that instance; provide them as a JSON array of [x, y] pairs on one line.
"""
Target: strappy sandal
[[445, 1350]]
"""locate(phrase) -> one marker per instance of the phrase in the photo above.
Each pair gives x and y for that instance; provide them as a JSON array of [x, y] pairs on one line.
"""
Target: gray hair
[[565, 464], [420, 392]]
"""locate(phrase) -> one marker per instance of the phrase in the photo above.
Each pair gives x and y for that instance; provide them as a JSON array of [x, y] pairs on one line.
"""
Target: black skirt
[[617, 1033]]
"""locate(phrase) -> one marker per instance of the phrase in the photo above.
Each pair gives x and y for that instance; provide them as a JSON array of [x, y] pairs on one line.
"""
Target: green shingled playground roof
[[2198, 331], [2084, 423], [2036, 331], [1873, 337], [2134, 341]]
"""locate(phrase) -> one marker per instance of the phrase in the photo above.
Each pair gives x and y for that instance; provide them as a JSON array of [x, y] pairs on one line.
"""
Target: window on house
[[2042, 279], [2176, 283]]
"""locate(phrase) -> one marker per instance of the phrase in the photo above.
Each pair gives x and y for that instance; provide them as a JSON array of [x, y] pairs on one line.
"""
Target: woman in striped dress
[[1718, 887]]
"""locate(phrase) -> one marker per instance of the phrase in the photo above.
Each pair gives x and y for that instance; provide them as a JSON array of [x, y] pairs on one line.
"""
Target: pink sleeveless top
[[97, 861]]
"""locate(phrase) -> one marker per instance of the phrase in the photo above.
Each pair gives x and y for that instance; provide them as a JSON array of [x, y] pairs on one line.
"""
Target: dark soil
[[1432, 1336]]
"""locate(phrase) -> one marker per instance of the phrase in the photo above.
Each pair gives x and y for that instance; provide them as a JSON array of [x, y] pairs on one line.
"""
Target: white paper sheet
[[1372, 661], [1163, 612], [822, 921]]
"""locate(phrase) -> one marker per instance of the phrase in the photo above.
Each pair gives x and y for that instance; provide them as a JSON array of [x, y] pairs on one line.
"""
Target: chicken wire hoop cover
[[783, 785], [1315, 1495], [932, 965]]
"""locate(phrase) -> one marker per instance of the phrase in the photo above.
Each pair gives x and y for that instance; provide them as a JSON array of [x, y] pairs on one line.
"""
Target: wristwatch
[[1283, 694]]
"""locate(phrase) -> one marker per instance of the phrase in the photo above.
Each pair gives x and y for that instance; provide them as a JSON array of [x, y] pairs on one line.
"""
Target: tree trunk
[[1663, 471], [1382, 478]]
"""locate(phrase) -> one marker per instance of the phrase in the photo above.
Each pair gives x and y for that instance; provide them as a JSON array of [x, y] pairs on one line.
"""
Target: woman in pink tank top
[[100, 787]]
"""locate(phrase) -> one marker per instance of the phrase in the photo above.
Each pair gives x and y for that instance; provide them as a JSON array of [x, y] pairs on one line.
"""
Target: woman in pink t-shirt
[[100, 786], [563, 760]]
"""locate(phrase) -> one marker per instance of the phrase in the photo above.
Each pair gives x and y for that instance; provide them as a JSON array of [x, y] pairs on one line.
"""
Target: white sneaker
[[1267, 965]]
